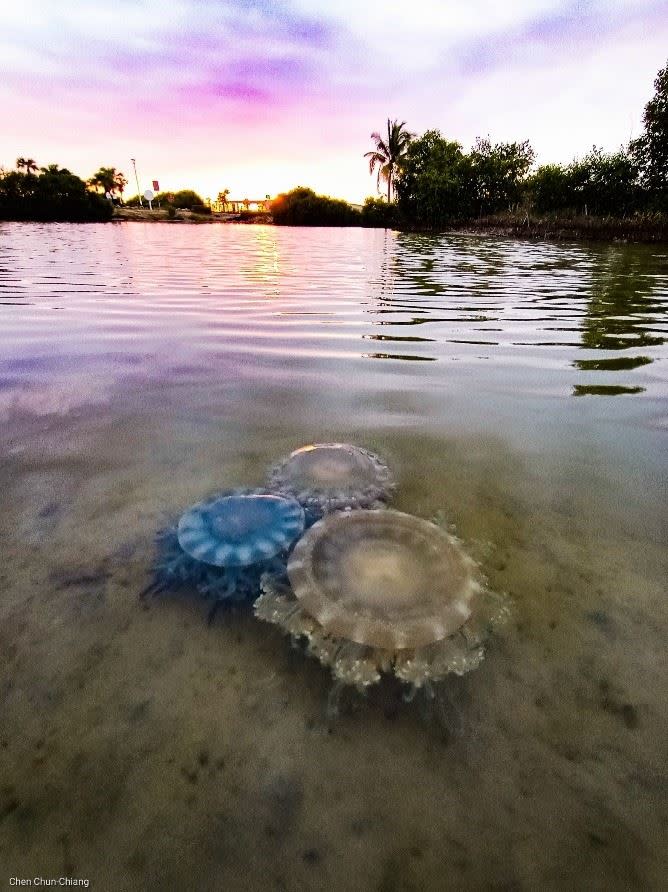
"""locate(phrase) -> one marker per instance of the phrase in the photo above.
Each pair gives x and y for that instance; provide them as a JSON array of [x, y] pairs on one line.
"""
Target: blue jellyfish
[[327, 477], [221, 547]]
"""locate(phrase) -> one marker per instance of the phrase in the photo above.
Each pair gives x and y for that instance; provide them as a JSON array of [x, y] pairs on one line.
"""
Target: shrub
[[379, 213], [186, 199], [302, 207], [550, 188]]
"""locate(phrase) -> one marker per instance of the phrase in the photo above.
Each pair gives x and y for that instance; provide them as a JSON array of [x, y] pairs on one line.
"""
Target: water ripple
[[569, 320]]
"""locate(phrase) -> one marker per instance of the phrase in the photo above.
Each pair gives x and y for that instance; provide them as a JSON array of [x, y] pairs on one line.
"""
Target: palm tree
[[222, 198], [120, 182], [27, 164], [389, 153], [105, 179]]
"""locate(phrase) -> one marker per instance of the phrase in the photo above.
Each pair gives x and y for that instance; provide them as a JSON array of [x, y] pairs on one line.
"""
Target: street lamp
[[134, 164]]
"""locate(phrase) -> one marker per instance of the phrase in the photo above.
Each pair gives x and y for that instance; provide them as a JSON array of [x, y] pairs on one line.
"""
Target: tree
[[433, 185], [497, 172], [27, 164], [650, 151], [604, 183], [222, 198], [302, 207], [56, 194], [108, 179], [550, 188], [389, 154], [187, 198], [120, 182]]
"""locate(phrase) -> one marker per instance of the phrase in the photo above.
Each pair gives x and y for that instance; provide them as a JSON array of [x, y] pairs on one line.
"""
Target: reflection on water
[[143, 367], [604, 389], [131, 306], [628, 303]]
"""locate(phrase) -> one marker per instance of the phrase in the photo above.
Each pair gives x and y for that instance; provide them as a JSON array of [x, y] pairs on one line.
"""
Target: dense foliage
[[650, 150], [438, 184], [185, 199], [302, 207], [497, 173], [379, 213], [55, 194], [433, 186], [601, 183]]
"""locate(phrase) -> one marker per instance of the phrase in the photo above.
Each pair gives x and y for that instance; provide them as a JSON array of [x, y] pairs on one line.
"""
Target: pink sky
[[262, 96]]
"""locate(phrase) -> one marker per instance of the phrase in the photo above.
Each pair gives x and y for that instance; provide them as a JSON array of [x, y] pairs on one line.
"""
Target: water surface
[[518, 388]]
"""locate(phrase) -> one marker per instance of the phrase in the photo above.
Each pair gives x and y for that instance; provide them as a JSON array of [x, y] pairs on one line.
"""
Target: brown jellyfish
[[382, 592], [326, 477]]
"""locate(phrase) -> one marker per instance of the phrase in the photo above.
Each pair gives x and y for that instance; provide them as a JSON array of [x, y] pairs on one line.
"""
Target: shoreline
[[502, 225], [143, 215], [581, 229]]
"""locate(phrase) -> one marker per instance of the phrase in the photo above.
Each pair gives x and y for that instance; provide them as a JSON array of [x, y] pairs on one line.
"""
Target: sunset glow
[[260, 97]]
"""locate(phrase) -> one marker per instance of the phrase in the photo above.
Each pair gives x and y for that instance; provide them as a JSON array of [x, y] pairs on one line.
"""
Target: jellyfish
[[329, 477], [222, 547], [376, 593]]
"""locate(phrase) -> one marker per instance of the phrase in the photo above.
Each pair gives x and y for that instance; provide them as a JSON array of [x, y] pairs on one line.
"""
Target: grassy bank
[[648, 228], [160, 215]]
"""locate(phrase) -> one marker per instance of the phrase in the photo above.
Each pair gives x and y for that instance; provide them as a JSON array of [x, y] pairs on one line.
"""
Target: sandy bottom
[[142, 748]]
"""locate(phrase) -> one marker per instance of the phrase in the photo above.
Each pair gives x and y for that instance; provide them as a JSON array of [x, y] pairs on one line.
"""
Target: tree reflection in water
[[622, 314]]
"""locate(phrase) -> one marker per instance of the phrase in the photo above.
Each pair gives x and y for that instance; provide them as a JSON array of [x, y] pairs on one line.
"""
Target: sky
[[259, 96]]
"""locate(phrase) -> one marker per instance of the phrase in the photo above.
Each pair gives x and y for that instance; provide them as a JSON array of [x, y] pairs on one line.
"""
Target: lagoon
[[518, 388]]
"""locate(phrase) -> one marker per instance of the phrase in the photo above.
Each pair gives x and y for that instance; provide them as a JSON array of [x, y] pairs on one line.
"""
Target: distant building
[[236, 205]]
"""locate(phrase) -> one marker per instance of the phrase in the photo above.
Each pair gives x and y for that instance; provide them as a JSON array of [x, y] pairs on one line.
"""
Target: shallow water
[[518, 388]]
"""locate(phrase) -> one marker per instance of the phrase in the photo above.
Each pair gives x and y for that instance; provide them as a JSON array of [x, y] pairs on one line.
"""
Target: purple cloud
[[578, 26]]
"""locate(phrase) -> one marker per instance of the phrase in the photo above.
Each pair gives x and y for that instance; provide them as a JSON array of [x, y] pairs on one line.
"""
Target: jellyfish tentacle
[[410, 692], [447, 712], [153, 588], [334, 698], [213, 610], [222, 546]]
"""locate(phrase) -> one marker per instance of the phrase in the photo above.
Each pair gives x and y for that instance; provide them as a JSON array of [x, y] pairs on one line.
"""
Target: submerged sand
[[142, 748]]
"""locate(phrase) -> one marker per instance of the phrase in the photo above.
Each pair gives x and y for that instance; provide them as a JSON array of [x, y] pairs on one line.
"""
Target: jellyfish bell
[[382, 592], [221, 547], [383, 579], [328, 477], [240, 529]]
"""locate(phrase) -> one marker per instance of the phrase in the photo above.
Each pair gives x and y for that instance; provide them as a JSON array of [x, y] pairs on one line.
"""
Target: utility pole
[[134, 164]]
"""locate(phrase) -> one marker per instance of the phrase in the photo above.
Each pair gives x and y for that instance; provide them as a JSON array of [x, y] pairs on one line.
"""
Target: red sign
[[156, 186]]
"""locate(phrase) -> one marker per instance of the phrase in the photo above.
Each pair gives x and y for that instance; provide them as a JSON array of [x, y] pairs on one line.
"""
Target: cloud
[[255, 51], [560, 34], [263, 92]]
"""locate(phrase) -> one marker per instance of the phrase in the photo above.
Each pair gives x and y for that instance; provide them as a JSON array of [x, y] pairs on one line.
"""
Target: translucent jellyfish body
[[329, 477], [376, 592], [223, 546]]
